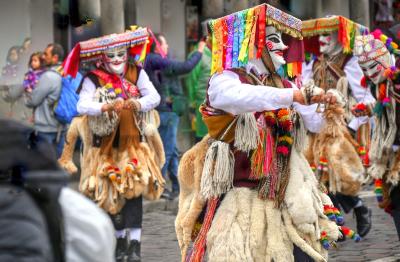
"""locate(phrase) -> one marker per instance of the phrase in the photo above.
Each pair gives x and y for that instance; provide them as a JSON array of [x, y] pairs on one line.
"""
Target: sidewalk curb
[[160, 205]]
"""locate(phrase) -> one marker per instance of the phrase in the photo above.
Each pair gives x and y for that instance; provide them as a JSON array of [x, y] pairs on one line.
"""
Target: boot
[[120, 249], [133, 251], [363, 218]]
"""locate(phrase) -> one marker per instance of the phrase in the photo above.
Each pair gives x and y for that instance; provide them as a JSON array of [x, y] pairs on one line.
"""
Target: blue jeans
[[51, 138], [168, 129]]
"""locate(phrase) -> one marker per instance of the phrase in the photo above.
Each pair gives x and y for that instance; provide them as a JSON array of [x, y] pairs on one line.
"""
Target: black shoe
[[363, 218], [166, 194], [120, 249], [133, 251]]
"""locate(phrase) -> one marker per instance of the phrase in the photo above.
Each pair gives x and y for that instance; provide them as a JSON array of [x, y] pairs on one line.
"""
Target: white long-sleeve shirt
[[354, 75], [87, 106], [227, 93]]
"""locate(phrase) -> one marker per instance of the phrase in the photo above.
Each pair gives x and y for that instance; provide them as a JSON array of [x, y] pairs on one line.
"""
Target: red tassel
[[261, 30], [199, 246], [71, 63]]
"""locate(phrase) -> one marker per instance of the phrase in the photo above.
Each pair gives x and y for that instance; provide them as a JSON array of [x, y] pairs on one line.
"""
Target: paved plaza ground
[[159, 242]]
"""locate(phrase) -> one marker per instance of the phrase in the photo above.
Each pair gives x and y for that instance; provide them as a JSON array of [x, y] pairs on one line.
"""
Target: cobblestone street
[[159, 242]]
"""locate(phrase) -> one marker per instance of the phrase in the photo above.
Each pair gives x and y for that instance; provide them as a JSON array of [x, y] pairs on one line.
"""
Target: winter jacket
[[43, 99], [164, 72]]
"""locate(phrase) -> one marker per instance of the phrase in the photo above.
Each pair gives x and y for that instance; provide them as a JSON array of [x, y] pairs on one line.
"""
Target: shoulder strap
[[92, 77]]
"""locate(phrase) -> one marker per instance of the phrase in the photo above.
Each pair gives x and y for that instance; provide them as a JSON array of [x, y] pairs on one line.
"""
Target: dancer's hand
[[118, 105], [132, 104], [106, 107], [317, 99], [329, 98], [201, 46]]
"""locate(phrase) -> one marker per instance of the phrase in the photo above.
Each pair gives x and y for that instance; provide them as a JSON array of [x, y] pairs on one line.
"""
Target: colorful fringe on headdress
[[235, 36], [347, 29]]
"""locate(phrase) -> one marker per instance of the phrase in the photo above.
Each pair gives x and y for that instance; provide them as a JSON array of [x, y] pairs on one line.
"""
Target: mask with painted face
[[329, 45], [373, 57], [115, 60], [275, 46]]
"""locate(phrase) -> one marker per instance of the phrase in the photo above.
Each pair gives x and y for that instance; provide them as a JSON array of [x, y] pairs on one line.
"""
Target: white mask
[[115, 60], [374, 69], [329, 45], [273, 41]]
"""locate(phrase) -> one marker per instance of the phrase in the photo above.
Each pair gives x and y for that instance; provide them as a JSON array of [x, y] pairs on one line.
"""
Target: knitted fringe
[[217, 176], [385, 131], [384, 134], [299, 133], [246, 133], [104, 124]]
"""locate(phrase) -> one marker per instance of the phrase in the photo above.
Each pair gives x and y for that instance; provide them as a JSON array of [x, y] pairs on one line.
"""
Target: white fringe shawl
[[383, 138]]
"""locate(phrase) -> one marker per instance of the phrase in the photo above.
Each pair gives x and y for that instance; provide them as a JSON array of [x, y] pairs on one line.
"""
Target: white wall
[[15, 25], [148, 13], [173, 26], [167, 17], [335, 7]]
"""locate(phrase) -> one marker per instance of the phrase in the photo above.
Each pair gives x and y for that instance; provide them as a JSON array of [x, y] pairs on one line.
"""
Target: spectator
[[11, 68], [44, 97], [41, 218], [164, 72], [197, 82], [34, 72], [32, 76]]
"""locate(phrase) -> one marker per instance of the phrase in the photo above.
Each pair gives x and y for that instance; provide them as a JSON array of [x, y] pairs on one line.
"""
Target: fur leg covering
[[299, 197], [225, 239], [155, 144], [65, 160]]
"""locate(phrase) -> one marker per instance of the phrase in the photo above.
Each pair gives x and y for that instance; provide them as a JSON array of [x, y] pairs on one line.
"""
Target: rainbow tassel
[[323, 164], [362, 151], [313, 167], [324, 240], [350, 233], [378, 190], [338, 216], [328, 211]]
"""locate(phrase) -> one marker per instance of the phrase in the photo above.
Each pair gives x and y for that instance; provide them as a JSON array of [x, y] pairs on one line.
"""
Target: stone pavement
[[380, 245], [159, 242]]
